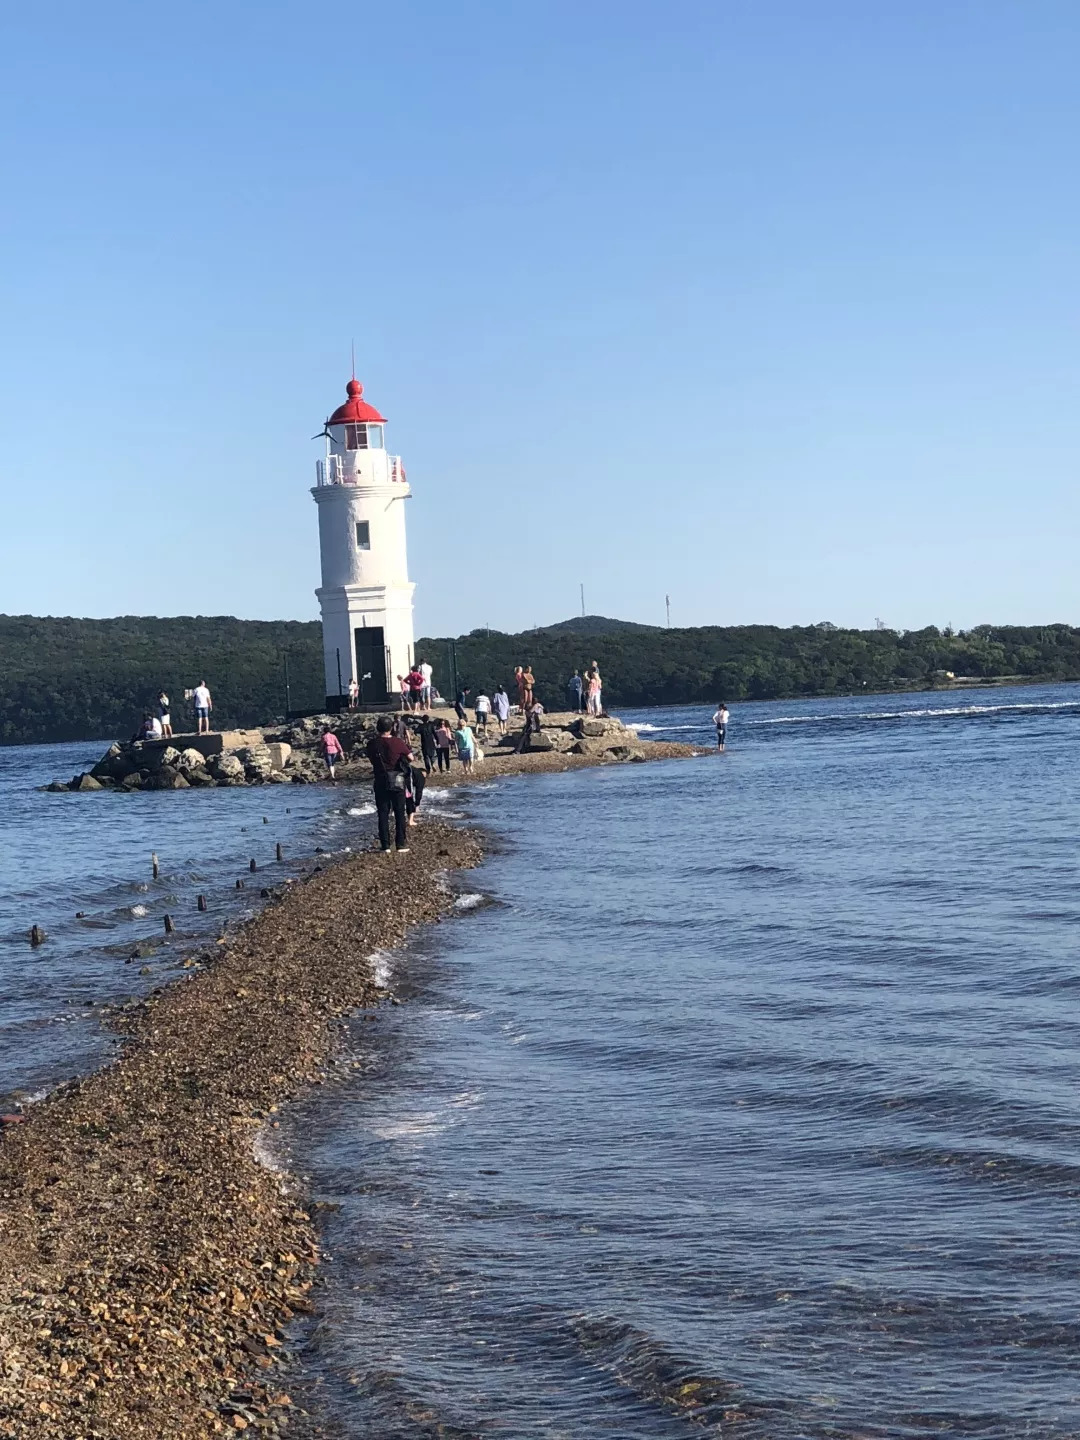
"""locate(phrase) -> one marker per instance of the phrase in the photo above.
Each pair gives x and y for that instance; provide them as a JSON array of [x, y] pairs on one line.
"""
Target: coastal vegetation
[[70, 679]]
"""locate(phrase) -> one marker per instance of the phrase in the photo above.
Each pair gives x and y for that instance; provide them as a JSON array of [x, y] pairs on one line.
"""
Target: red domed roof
[[355, 407]]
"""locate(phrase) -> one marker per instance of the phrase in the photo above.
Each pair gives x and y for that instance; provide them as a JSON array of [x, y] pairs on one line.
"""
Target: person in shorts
[[204, 703], [163, 715]]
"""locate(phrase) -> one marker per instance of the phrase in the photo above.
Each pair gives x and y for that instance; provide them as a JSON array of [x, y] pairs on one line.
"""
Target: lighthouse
[[365, 597]]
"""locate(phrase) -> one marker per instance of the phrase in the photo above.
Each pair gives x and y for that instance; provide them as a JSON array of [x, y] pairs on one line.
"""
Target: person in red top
[[331, 749], [391, 762], [415, 682]]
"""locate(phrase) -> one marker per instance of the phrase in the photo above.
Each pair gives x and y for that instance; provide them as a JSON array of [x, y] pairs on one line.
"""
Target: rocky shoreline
[[150, 1265], [289, 754]]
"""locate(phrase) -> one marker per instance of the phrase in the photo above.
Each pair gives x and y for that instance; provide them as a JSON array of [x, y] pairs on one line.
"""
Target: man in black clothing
[[459, 703], [390, 759], [427, 742]]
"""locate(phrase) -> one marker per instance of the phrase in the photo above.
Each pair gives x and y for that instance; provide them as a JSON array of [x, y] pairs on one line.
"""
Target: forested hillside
[[653, 666], [63, 679]]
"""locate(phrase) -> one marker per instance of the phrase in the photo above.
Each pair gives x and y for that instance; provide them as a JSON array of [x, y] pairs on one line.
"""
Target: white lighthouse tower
[[365, 596]]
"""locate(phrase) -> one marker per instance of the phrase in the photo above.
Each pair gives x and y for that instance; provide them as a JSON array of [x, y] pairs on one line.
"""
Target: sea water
[[739, 1098], [79, 866]]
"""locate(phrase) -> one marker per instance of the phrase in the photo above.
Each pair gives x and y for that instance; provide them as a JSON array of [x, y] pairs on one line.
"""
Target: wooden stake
[[253, 867], [37, 936], [169, 926], [154, 864], [280, 856], [202, 902]]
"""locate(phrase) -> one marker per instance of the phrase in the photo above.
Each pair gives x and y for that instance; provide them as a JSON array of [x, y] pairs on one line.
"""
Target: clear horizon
[[763, 308]]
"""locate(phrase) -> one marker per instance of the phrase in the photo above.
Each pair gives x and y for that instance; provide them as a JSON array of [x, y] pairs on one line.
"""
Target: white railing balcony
[[333, 471]]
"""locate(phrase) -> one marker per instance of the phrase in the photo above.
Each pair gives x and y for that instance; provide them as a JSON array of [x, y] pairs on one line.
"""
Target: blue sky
[[768, 305]]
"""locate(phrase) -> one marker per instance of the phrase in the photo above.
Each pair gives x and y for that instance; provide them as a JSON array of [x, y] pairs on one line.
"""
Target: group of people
[[415, 687], [398, 782], [586, 692], [157, 723]]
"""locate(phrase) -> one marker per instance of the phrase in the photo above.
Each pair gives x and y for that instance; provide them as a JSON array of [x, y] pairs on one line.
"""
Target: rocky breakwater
[[601, 737], [249, 757]]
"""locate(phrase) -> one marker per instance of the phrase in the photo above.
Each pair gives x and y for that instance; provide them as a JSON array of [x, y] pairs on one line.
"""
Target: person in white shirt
[[720, 720], [203, 705], [164, 716], [425, 694], [483, 710], [354, 691]]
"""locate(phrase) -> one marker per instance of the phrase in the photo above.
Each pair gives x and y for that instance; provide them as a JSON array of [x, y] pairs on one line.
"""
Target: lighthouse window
[[374, 437], [356, 437], [363, 535]]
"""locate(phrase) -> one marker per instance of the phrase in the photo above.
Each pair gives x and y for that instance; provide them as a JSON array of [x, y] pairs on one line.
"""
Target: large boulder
[[279, 754], [592, 726], [132, 781], [257, 761], [86, 782], [116, 763], [192, 759], [541, 740], [587, 746], [197, 775], [226, 767]]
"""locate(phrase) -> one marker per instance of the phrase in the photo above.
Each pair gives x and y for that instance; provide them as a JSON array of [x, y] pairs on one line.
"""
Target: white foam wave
[[667, 727], [381, 970], [469, 901], [138, 909], [930, 711], [361, 810], [409, 1127]]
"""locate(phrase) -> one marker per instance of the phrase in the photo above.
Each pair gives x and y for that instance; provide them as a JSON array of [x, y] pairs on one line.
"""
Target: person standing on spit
[[203, 705], [720, 720], [427, 672], [164, 715], [596, 685], [391, 765], [443, 740], [466, 746], [500, 704], [354, 691], [525, 685], [415, 682], [427, 743], [459, 704], [332, 752], [575, 687], [483, 710]]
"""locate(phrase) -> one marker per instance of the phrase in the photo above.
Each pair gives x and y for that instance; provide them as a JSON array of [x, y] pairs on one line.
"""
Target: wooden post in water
[[252, 867], [37, 936], [280, 854], [154, 866], [202, 902], [239, 884], [169, 926]]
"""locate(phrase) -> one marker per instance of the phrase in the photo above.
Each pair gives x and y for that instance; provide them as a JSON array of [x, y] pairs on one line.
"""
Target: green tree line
[[68, 679]]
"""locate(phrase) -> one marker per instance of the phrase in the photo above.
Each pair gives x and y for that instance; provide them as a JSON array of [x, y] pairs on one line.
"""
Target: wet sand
[[149, 1262]]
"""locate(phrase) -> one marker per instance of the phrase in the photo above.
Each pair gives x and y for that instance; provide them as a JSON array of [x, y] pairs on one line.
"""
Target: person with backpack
[[391, 773]]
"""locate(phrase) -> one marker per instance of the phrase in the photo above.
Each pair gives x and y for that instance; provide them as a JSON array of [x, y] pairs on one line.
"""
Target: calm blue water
[[754, 1084], [61, 854]]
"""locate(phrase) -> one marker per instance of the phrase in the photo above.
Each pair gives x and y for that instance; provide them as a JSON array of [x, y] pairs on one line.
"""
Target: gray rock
[[192, 759], [541, 740], [86, 782], [197, 775], [225, 767]]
